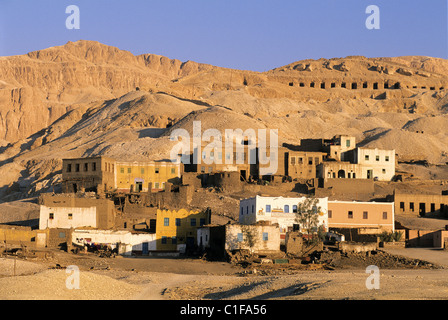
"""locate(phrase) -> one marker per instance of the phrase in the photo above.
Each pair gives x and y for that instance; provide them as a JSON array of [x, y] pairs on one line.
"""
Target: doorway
[[145, 250], [422, 209]]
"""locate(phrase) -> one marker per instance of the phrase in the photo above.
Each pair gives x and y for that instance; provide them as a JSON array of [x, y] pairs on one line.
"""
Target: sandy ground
[[182, 279]]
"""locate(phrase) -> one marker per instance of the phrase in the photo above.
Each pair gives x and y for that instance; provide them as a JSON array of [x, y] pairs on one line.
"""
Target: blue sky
[[244, 34]]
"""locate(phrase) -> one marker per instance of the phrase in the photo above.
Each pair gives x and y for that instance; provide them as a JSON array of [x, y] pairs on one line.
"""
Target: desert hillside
[[86, 98]]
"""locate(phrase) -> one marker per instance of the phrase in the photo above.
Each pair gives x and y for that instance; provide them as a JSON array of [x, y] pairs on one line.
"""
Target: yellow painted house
[[175, 228], [136, 176]]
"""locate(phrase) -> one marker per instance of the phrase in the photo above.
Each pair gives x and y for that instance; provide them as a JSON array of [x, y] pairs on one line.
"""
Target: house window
[[347, 143], [242, 211], [69, 167], [377, 158], [86, 167], [93, 166], [350, 214], [157, 170], [294, 208], [293, 160], [166, 222], [384, 215], [265, 236], [239, 237], [202, 169], [51, 216], [173, 240], [268, 208], [366, 157], [411, 206], [286, 209], [70, 216], [253, 209], [129, 170], [193, 222], [77, 167], [121, 170], [61, 234], [177, 222], [383, 170], [310, 161], [401, 206], [330, 214], [163, 240], [156, 185], [300, 160], [387, 158], [173, 170], [201, 221], [365, 215]]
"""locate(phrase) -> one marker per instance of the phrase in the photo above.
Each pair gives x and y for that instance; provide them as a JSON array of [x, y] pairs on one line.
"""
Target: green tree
[[307, 215], [250, 236]]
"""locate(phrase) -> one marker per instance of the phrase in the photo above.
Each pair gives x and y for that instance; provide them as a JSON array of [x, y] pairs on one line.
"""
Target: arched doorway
[[341, 174]]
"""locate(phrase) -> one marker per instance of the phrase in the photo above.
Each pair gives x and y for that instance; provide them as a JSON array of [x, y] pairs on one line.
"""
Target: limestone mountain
[[86, 98]]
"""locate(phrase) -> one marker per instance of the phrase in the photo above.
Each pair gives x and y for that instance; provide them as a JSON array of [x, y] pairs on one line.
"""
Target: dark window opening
[[322, 85], [333, 85], [343, 85], [375, 86], [301, 84], [354, 85], [312, 84], [386, 85], [364, 85], [291, 84]]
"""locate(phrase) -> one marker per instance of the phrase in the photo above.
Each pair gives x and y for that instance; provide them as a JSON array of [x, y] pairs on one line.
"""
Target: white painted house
[[278, 210], [376, 163], [127, 242], [67, 217]]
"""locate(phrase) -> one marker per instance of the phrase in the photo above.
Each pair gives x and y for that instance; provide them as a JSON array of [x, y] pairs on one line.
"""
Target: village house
[[369, 217], [420, 204], [66, 211], [124, 242], [262, 238], [279, 210], [103, 174], [176, 230]]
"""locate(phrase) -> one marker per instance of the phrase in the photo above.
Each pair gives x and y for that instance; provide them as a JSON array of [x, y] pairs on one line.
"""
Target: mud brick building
[[420, 204], [67, 211], [103, 174]]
